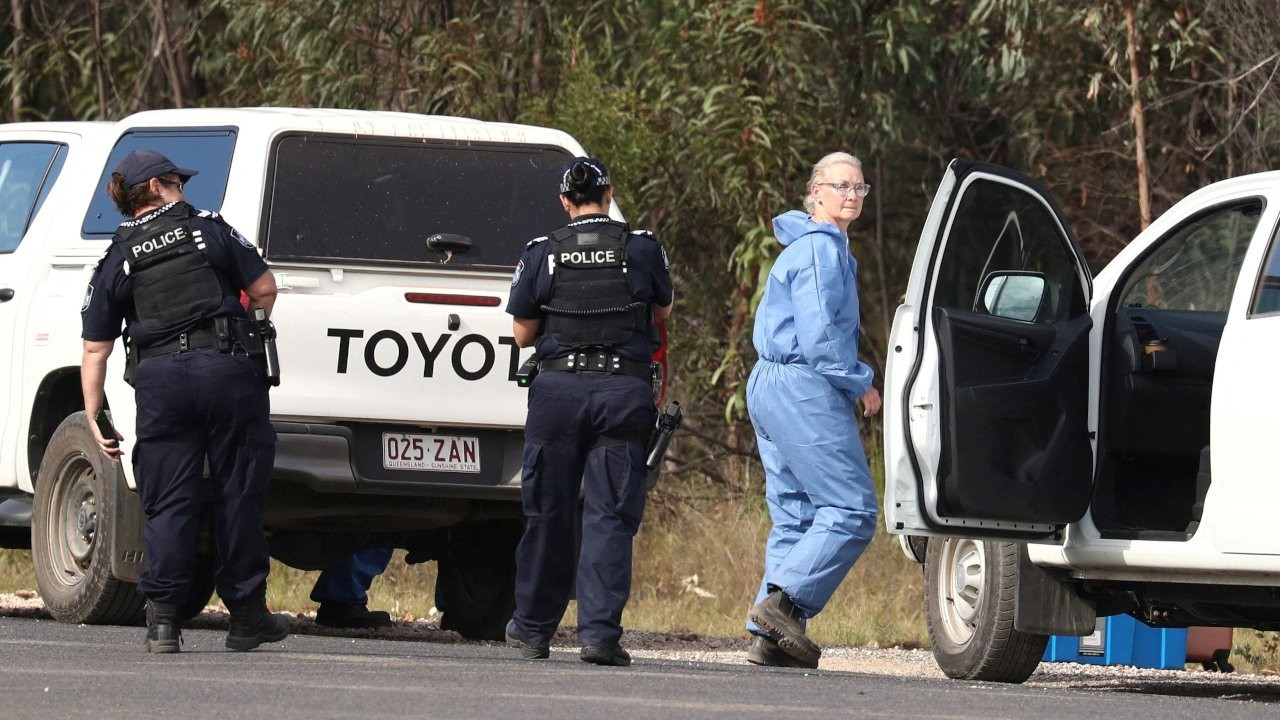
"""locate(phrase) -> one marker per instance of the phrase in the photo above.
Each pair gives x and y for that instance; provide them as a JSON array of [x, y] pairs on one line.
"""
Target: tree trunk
[[99, 61], [19, 36], [169, 63], [1139, 119]]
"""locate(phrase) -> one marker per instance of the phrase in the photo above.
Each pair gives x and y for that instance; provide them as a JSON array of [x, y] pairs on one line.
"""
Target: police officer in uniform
[[173, 276], [586, 297]]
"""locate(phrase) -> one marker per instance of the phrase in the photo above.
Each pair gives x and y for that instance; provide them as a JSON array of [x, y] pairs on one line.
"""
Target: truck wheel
[[72, 530], [475, 579], [969, 597]]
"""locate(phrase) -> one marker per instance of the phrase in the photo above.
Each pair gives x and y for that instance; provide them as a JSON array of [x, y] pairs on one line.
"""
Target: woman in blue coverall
[[803, 398]]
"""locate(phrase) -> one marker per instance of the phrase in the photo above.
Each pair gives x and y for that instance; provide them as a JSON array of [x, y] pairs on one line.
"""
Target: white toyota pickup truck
[[1060, 447], [392, 237]]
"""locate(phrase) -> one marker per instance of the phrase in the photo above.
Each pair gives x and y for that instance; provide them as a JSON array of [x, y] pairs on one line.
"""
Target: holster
[[130, 361], [245, 337]]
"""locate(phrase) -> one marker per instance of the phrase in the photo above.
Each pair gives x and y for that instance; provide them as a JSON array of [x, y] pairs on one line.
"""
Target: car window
[[1195, 267], [377, 200], [1000, 228], [28, 171], [207, 150], [1266, 297]]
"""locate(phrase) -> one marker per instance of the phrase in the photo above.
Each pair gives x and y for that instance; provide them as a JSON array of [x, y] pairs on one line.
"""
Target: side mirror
[[448, 244], [1013, 295]]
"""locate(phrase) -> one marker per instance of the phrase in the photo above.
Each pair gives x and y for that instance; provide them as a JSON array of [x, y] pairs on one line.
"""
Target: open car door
[[987, 383]]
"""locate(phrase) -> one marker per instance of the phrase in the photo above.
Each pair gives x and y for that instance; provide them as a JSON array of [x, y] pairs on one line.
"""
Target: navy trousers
[[195, 407], [347, 579], [586, 433]]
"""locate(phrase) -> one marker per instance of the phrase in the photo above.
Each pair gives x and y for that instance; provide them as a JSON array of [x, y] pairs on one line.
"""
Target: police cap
[[597, 173], [140, 166]]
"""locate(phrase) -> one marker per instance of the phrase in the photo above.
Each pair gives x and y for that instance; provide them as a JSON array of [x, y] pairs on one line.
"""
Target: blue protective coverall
[[802, 397]]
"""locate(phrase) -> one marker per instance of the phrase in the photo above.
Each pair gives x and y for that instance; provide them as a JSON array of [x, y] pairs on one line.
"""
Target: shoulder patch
[[88, 296], [519, 269], [535, 241], [242, 239], [666, 262]]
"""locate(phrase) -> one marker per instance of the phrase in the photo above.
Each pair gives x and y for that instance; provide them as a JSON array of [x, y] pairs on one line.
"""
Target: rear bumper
[[346, 459]]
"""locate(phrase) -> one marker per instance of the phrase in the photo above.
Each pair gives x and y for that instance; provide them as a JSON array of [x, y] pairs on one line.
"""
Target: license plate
[[447, 453]]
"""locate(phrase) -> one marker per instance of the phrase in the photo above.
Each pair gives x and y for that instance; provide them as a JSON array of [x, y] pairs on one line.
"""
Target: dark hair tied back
[[583, 177], [584, 183]]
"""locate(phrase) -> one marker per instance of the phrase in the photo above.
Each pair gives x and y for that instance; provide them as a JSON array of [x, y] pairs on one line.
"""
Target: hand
[[110, 448], [870, 402]]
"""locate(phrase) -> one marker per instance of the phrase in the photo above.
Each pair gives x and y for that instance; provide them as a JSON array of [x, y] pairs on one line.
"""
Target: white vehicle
[[392, 238], [1060, 447]]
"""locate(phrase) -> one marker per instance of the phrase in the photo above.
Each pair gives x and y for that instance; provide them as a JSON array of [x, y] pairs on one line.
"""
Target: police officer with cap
[[586, 297], [173, 275]]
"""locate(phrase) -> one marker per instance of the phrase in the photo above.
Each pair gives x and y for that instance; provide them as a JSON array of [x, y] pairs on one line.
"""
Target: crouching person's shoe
[[252, 624], [164, 631], [600, 655], [779, 617], [351, 616], [765, 651]]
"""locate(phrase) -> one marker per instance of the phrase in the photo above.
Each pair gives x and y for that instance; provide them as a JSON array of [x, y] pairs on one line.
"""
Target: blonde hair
[[835, 158]]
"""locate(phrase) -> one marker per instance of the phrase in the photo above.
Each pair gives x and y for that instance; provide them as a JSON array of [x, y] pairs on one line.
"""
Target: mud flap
[[128, 558], [1045, 604]]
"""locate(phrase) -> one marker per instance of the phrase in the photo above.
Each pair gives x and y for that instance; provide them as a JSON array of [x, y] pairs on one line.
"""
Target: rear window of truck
[[28, 171], [377, 200], [207, 150]]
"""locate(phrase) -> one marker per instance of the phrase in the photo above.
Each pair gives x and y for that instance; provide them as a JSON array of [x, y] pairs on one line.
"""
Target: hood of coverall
[[794, 224]]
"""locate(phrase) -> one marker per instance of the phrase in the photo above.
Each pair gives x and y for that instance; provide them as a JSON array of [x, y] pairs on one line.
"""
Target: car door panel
[[986, 417], [1014, 402]]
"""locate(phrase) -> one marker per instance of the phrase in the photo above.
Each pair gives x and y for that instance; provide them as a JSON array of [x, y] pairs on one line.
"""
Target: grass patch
[[699, 571], [406, 591], [16, 572]]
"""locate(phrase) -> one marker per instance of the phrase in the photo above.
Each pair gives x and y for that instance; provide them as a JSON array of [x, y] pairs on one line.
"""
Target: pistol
[[663, 431], [267, 332]]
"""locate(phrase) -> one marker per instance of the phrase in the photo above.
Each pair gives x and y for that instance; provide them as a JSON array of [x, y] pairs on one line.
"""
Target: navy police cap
[[140, 166], [597, 168]]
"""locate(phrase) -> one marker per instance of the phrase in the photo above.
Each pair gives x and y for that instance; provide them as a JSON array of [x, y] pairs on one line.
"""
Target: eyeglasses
[[843, 189], [179, 184]]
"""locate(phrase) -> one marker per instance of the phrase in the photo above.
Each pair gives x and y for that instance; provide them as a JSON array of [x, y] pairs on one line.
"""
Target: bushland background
[[710, 114]]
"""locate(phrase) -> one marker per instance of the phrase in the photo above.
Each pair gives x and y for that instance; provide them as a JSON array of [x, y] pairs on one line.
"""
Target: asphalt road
[[51, 669]]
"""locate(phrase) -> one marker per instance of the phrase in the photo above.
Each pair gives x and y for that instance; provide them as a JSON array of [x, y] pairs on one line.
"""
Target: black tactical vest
[[591, 302], [173, 283]]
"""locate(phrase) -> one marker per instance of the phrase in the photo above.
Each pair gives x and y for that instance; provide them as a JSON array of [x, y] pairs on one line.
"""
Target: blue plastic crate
[[1122, 640]]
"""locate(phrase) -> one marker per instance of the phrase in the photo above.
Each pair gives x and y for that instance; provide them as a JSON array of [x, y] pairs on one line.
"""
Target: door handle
[[285, 281], [6, 294]]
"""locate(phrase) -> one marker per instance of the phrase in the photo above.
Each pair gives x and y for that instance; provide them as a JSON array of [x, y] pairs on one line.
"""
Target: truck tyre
[[969, 599], [72, 529], [475, 579]]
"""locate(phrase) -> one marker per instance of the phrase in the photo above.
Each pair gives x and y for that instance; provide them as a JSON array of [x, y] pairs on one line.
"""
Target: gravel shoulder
[[887, 662]]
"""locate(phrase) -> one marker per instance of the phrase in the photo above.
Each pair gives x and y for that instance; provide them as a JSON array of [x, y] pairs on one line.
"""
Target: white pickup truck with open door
[[1061, 447]]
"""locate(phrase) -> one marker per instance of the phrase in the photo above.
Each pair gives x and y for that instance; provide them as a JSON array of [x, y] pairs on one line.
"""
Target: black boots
[[251, 624], [778, 616], [164, 635], [600, 655], [764, 650]]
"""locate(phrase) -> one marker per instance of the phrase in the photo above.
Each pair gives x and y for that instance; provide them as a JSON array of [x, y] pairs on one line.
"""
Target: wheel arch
[[58, 396]]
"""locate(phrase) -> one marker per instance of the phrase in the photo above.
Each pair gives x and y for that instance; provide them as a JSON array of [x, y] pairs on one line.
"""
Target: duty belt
[[603, 362], [198, 339]]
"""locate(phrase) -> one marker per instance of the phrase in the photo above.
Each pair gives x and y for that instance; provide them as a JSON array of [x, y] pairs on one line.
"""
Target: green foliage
[[711, 112]]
